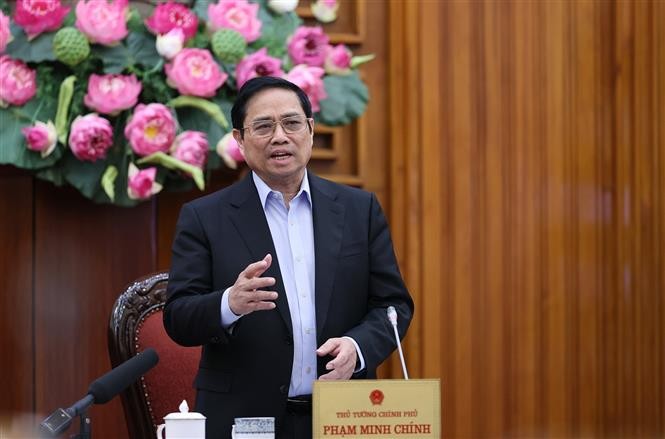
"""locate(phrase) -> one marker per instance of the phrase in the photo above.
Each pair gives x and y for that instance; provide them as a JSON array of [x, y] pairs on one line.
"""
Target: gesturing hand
[[247, 294], [342, 366]]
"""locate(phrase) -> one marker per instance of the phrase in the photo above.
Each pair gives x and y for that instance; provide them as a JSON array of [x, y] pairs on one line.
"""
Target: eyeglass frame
[[274, 125]]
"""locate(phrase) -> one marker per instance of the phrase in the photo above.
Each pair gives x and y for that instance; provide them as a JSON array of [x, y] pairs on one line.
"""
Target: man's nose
[[279, 133]]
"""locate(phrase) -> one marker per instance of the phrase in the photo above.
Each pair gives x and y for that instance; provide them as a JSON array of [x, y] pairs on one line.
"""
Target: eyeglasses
[[265, 128]]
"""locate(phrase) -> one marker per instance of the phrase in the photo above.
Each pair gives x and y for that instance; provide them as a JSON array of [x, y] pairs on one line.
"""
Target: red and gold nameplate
[[377, 408]]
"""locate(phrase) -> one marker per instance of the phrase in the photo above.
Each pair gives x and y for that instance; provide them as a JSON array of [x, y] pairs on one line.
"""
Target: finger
[[250, 302], [329, 347], [257, 268], [331, 376], [262, 306], [247, 291], [240, 296], [337, 374], [256, 283], [341, 361], [334, 364], [261, 296]]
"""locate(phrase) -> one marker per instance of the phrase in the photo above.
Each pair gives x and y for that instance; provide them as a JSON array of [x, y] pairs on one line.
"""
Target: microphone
[[392, 317], [101, 391]]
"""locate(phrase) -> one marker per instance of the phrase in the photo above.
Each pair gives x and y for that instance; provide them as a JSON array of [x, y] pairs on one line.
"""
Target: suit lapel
[[250, 221], [328, 217]]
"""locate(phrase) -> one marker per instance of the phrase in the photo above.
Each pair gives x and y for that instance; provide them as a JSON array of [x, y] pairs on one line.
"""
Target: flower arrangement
[[121, 106]]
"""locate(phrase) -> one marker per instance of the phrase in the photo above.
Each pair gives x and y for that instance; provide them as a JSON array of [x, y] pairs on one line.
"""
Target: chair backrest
[[135, 325]]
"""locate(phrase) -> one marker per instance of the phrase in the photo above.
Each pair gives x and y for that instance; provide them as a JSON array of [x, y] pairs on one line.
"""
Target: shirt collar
[[264, 190]]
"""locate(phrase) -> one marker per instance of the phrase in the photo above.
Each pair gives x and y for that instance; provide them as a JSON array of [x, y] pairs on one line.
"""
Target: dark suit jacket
[[247, 373]]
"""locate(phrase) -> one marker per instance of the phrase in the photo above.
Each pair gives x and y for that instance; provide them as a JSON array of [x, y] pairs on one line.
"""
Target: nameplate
[[377, 408]]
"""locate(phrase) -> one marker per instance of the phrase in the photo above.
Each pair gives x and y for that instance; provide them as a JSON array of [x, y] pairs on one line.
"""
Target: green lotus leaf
[[13, 150], [38, 49], [347, 99]]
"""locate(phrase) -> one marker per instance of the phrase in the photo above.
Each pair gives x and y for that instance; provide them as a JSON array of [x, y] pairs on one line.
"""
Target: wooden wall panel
[[16, 299], [528, 206], [658, 69], [85, 254]]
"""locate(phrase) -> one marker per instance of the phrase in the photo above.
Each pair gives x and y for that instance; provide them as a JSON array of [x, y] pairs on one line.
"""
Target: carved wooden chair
[[135, 325]]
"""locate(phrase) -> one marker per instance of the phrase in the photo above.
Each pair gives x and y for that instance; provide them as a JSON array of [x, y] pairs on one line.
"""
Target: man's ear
[[310, 125], [239, 139]]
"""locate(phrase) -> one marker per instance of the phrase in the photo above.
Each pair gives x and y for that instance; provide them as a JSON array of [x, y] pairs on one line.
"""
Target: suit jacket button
[[288, 341], [215, 339], [283, 389]]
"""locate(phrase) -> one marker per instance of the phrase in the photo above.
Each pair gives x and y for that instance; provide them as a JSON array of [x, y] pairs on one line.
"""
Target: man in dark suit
[[283, 277]]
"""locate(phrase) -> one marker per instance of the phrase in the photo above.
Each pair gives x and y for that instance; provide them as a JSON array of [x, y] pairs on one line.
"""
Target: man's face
[[279, 158]]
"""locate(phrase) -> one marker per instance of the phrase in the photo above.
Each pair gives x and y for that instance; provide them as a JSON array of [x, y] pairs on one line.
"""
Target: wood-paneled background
[[528, 202], [519, 150]]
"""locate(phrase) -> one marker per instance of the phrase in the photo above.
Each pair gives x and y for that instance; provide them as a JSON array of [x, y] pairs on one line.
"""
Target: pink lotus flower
[[308, 45], [257, 64], [41, 137], [90, 137], [170, 44], [338, 60], [5, 32], [195, 73], [191, 147], [18, 82], [141, 185], [37, 16], [102, 21], [151, 129], [168, 16], [227, 148], [309, 80], [238, 15], [110, 94]]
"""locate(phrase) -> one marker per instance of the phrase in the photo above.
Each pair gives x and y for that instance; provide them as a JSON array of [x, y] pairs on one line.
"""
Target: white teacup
[[183, 425], [253, 428]]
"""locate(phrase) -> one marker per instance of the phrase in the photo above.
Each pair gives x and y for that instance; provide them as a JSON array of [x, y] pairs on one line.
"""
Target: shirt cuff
[[361, 366], [228, 316]]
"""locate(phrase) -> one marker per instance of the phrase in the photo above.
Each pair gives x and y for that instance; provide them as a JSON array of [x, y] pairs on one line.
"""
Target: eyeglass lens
[[290, 125]]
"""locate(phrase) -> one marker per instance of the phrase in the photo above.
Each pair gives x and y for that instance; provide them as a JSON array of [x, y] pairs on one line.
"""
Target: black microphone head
[[104, 388], [57, 423]]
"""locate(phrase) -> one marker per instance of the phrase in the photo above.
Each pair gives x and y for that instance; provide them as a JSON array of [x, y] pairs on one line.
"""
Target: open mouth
[[280, 155]]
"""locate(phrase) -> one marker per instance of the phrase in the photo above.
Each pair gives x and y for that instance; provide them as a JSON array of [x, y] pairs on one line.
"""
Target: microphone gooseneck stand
[[85, 426], [85, 422], [392, 317]]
